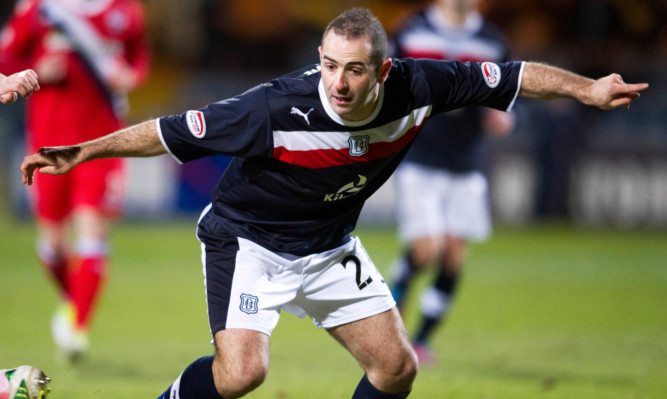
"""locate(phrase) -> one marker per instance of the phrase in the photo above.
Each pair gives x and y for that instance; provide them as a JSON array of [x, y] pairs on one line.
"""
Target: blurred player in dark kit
[[442, 194]]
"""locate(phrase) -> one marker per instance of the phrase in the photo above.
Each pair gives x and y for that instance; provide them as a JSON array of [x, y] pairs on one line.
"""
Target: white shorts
[[432, 202], [333, 288]]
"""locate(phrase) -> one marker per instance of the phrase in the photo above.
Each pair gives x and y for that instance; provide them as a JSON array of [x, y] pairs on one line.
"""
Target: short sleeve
[[456, 84], [239, 126]]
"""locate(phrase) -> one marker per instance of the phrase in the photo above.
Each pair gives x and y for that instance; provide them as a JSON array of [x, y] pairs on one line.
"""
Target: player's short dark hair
[[359, 22]]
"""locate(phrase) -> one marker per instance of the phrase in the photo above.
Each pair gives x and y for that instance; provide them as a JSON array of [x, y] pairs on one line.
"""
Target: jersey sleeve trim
[[518, 87], [162, 140]]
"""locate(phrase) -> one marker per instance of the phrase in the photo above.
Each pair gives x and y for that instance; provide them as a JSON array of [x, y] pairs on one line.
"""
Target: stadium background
[[565, 161]]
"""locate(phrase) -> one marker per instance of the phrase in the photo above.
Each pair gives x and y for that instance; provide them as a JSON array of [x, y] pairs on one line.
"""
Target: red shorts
[[98, 184]]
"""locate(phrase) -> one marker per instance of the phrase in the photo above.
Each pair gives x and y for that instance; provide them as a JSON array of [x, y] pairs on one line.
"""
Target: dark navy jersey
[[452, 141], [300, 173]]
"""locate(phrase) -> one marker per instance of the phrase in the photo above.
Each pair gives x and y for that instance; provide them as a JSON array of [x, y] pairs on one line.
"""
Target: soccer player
[[442, 195], [88, 55], [22, 84], [309, 148]]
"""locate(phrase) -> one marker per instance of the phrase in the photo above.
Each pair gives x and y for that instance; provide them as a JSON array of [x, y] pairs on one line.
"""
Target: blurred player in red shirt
[[88, 55]]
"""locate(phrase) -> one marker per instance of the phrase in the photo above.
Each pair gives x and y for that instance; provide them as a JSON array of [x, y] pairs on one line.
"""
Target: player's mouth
[[340, 100]]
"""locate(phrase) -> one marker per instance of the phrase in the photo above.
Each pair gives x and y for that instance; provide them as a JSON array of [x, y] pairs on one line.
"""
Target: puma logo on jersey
[[347, 190], [297, 111]]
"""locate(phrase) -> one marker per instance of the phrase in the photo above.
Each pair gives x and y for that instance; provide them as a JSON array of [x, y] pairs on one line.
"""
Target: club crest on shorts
[[248, 303], [491, 73], [359, 145], [196, 123]]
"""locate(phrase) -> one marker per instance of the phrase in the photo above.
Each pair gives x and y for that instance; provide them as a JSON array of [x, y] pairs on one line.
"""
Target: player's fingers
[[27, 170], [629, 88], [32, 75], [25, 88], [623, 101], [32, 79], [8, 98]]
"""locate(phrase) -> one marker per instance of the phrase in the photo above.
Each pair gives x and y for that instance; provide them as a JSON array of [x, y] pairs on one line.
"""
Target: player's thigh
[[378, 342]]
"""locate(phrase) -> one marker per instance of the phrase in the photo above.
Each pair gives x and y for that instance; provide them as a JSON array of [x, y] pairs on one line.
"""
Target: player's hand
[[611, 92], [19, 84], [51, 161]]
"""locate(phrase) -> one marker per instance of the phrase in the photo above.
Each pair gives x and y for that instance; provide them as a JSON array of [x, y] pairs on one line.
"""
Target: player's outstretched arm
[[19, 84], [141, 140], [545, 82]]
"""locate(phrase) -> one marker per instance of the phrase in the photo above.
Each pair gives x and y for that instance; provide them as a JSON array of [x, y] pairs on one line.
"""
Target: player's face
[[350, 80]]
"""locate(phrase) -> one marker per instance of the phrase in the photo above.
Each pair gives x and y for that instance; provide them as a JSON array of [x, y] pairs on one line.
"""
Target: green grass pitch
[[543, 312]]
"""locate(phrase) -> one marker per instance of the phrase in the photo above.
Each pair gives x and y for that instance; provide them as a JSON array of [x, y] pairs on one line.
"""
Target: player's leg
[[381, 346], [97, 191], [52, 206], [54, 253], [420, 253], [419, 222], [437, 299], [90, 265], [343, 292], [240, 364], [466, 218], [246, 285], [88, 271], [241, 361]]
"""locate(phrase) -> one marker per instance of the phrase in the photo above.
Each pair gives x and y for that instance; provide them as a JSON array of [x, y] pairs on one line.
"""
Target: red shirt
[[80, 107]]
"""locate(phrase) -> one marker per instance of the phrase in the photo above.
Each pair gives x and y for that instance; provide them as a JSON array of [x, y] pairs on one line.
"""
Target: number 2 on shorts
[[352, 258]]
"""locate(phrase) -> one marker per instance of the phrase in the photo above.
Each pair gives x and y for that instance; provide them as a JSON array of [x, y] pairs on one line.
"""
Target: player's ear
[[383, 70], [319, 51]]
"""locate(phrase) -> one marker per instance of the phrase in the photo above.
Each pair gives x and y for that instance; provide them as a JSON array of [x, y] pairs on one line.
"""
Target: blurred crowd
[[588, 34]]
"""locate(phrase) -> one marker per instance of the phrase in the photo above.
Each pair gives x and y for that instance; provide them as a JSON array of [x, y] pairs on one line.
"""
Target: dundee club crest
[[359, 145], [248, 303]]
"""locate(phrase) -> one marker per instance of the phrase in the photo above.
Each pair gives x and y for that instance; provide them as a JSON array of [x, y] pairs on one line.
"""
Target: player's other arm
[[543, 81], [140, 140], [19, 84]]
